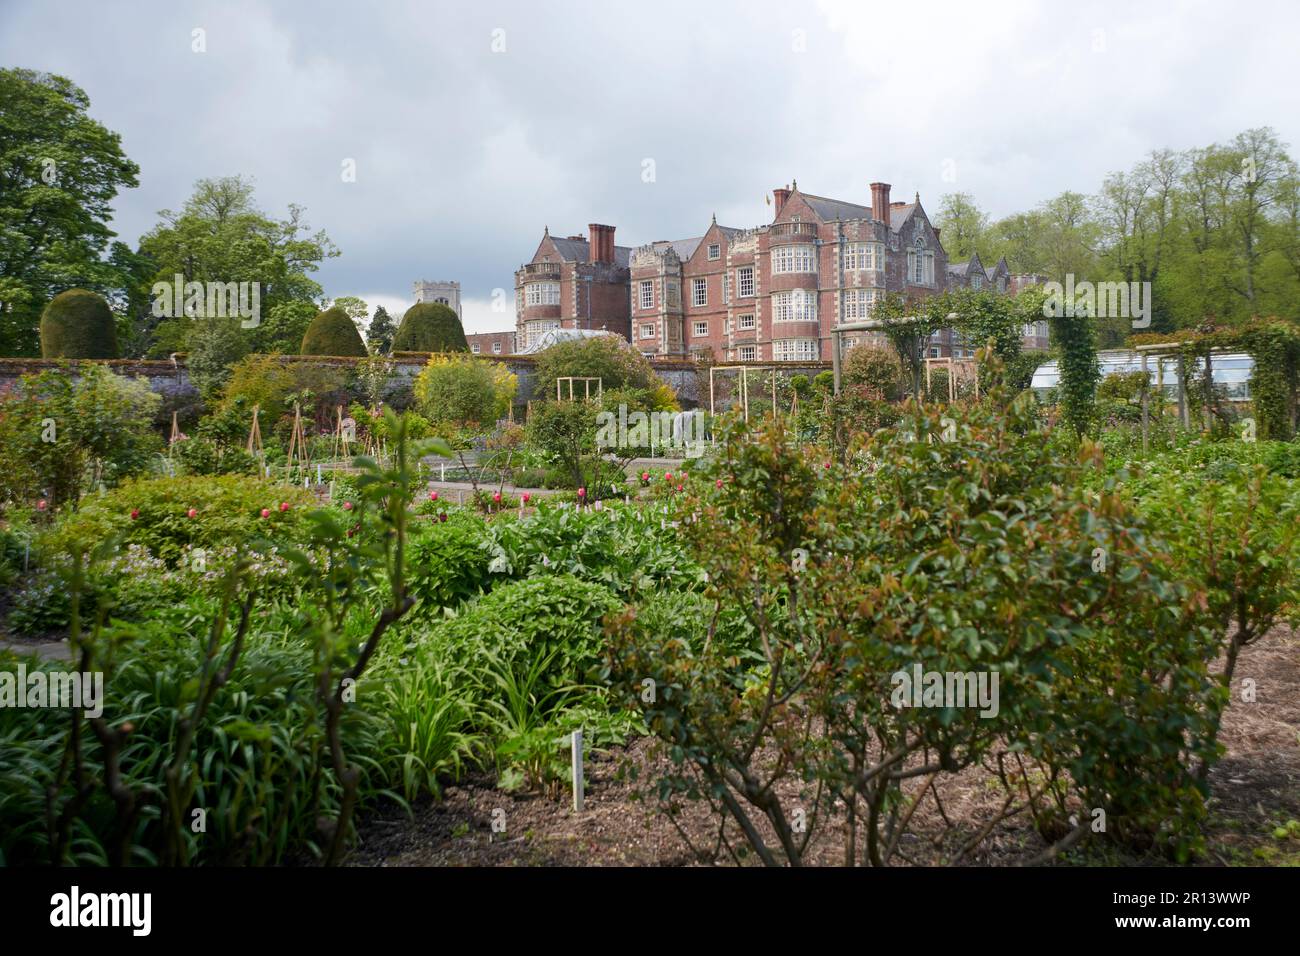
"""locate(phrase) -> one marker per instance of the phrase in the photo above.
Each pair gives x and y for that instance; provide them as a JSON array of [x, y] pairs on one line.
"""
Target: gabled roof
[[830, 209], [575, 250], [898, 215], [685, 248]]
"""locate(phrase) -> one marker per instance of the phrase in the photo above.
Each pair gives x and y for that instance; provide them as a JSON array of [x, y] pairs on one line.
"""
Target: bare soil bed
[[1255, 792]]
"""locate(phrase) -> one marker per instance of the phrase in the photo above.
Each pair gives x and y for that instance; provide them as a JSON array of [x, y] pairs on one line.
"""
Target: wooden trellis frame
[[297, 444], [744, 371], [342, 443], [255, 437], [586, 382], [969, 370]]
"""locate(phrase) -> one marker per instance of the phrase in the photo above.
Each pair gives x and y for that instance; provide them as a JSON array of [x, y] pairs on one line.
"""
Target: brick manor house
[[769, 293]]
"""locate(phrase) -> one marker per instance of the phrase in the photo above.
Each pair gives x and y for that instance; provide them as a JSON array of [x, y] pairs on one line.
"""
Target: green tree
[[964, 226], [221, 236], [59, 172], [379, 336]]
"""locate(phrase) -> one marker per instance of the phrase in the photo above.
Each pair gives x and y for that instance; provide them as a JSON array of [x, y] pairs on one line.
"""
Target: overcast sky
[[473, 125]]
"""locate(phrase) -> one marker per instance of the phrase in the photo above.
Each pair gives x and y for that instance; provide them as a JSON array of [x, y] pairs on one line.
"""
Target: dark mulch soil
[[1255, 789]]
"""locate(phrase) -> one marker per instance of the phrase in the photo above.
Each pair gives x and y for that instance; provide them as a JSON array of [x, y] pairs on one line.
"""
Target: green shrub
[[227, 513], [875, 368], [332, 332], [607, 357], [463, 392], [60, 436], [78, 324], [448, 561], [430, 327]]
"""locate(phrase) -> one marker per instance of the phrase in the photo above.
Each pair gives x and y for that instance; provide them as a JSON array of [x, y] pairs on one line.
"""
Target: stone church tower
[[448, 293]]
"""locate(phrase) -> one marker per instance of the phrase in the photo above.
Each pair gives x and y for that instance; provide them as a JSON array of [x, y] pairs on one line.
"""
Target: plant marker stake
[[319, 480], [576, 747], [443, 466]]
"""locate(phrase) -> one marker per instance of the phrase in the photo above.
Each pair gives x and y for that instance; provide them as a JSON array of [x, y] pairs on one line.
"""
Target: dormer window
[[715, 250]]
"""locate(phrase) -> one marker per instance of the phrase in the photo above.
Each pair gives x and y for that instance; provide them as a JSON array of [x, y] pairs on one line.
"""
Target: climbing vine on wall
[[1080, 371]]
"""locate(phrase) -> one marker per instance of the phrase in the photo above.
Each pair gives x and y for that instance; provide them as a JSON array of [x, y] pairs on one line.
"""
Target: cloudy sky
[[473, 125]]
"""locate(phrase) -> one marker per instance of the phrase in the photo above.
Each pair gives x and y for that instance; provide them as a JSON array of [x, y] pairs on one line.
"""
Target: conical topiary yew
[[333, 332], [78, 324], [430, 327]]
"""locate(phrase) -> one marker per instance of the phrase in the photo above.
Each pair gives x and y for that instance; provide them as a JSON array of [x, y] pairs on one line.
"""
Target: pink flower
[[496, 496], [527, 497], [645, 476], [433, 496], [192, 513], [135, 513], [284, 506], [582, 492], [266, 512], [719, 482], [42, 505], [826, 465], [347, 506], [668, 476], [679, 487]]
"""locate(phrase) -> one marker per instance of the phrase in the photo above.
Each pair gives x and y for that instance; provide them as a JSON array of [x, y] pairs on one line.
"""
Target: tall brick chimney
[[880, 201], [601, 243], [779, 196]]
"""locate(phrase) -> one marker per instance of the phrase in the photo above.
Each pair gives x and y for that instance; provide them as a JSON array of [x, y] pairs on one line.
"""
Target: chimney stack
[[880, 201], [779, 196], [601, 243]]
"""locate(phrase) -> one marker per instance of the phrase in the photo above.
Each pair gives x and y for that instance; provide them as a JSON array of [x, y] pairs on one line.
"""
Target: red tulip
[[645, 476], [679, 487], [719, 482], [192, 513], [496, 496], [826, 465], [582, 492], [433, 496], [668, 476], [284, 506], [135, 513], [527, 497], [266, 512]]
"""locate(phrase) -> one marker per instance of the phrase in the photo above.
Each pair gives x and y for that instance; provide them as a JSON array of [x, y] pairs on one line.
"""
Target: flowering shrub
[[227, 512], [955, 543]]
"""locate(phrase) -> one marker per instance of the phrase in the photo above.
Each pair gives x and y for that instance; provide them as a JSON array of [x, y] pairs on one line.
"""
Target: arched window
[[920, 263]]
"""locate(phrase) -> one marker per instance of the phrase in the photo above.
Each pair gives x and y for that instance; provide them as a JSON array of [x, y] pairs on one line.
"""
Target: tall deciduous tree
[[59, 172], [220, 235], [964, 227]]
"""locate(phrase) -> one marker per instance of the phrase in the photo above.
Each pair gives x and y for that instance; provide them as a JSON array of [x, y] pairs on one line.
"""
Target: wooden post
[[1146, 392], [835, 359], [1184, 414], [575, 745]]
